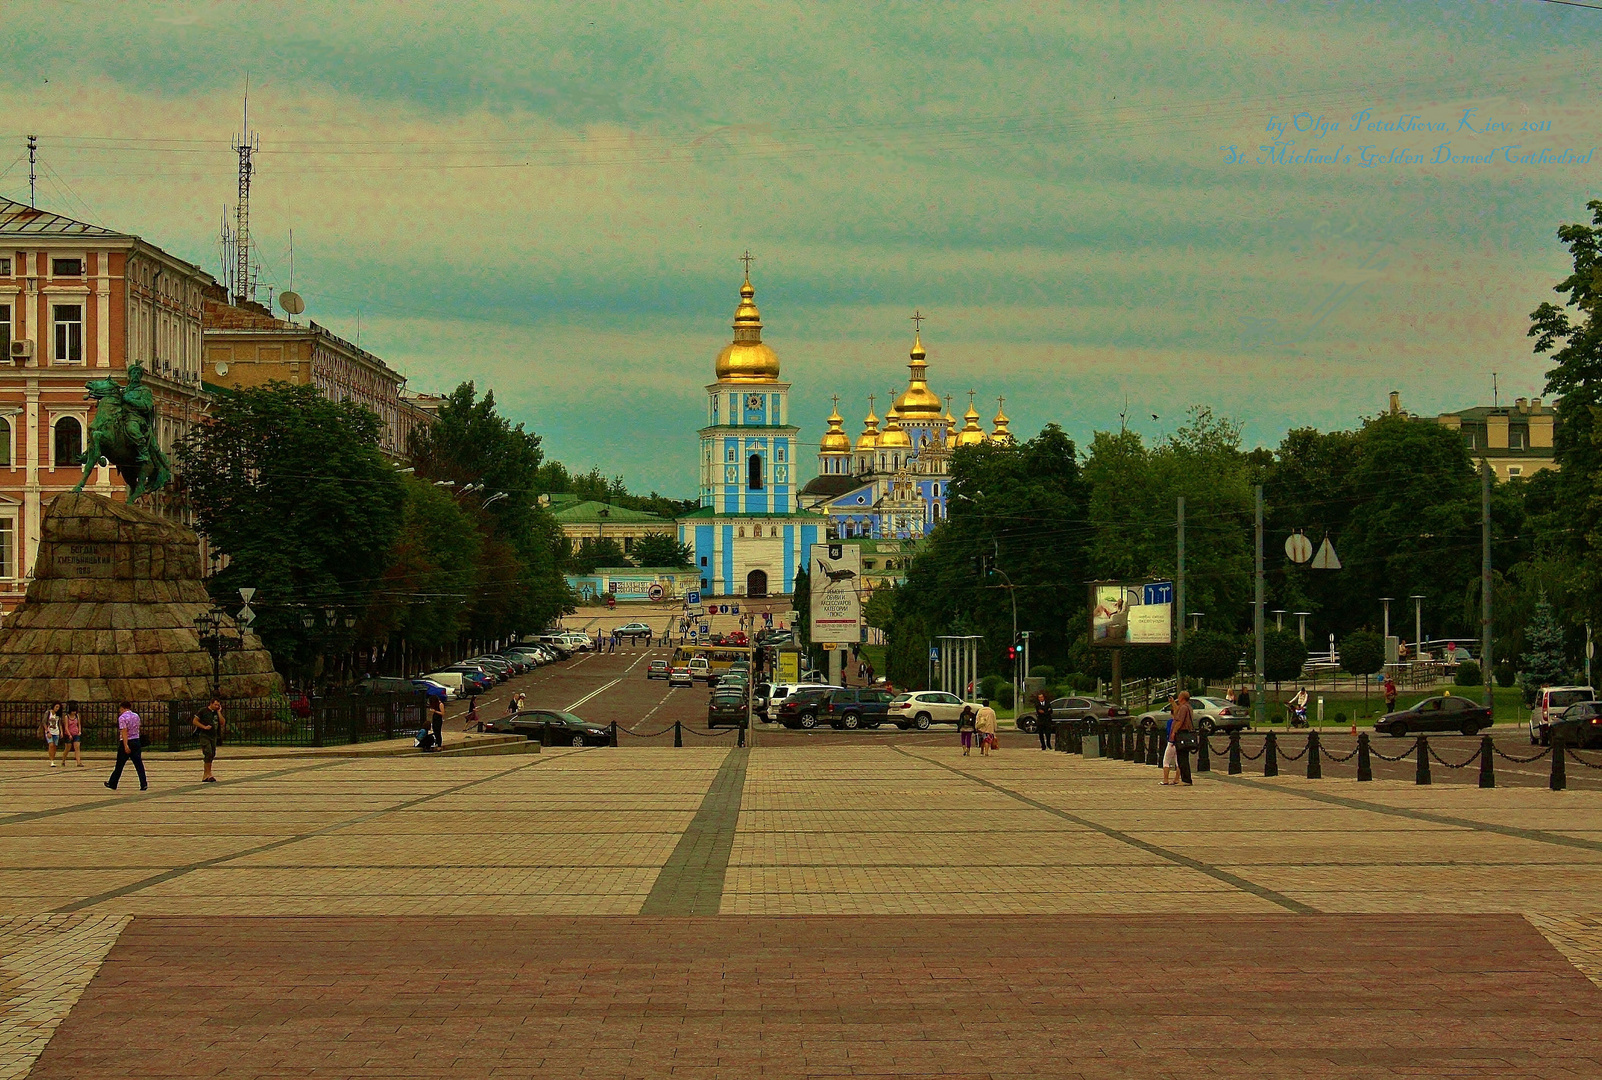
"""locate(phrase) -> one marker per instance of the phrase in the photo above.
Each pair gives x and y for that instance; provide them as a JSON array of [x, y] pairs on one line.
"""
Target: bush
[[1505, 675], [1340, 718], [1081, 683], [987, 686], [1043, 671], [1004, 695], [1468, 674]]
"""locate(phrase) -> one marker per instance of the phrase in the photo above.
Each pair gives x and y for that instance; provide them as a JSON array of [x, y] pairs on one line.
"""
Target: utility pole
[[1179, 595], [1485, 582], [1259, 707]]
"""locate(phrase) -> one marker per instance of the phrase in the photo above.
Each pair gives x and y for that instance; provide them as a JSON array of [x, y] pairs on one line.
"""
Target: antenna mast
[[33, 176], [244, 284]]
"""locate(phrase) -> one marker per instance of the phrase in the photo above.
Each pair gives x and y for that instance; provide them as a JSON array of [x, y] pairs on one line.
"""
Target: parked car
[[924, 707], [1579, 725], [779, 691], [498, 669], [701, 668], [725, 708], [849, 708], [657, 669], [1211, 714], [564, 728], [475, 680], [1549, 702], [1444, 713], [521, 665], [455, 680], [378, 684], [681, 676], [434, 689], [634, 631], [801, 708], [761, 693], [1084, 708]]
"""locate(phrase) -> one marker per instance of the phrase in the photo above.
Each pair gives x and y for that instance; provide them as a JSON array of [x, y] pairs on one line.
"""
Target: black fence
[[274, 721], [1125, 741]]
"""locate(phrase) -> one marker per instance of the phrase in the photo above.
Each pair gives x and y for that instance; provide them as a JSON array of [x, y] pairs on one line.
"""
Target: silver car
[[1212, 714]]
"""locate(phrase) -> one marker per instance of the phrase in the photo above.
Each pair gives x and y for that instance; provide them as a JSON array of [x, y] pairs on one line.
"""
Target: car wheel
[[1026, 726], [578, 740], [1396, 731], [481, 729], [850, 721], [809, 721], [872, 723], [1533, 739], [1471, 729], [921, 721], [1207, 725], [1546, 737]]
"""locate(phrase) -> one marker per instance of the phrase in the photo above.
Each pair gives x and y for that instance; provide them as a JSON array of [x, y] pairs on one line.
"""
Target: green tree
[[593, 553], [1210, 654], [1284, 655], [1544, 662], [879, 611], [294, 490], [431, 582], [1362, 652], [662, 549]]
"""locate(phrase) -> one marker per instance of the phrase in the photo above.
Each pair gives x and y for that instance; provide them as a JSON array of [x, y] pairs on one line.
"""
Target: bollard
[[614, 732], [1560, 775], [1204, 761], [1271, 755], [1234, 753], [1140, 744], [1422, 750], [1365, 768], [742, 735], [545, 734], [1487, 766], [678, 733], [1315, 769], [1154, 748]]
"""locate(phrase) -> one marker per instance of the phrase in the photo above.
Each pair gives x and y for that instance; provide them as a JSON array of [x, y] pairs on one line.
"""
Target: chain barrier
[[1295, 757], [629, 731], [708, 734], [1462, 765], [1338, 760], [1575, 756], [1520, 760], [1253, 757], [1222, 752], [1403, 756]]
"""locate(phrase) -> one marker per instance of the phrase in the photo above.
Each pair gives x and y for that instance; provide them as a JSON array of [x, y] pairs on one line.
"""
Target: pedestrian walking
[[985, 723], [208, 724], [1043, 723], [1180, 733], [128, 747], [965, 728], [72, 732], [436, 712], [470, 721], [1390, 694], [50, 728]]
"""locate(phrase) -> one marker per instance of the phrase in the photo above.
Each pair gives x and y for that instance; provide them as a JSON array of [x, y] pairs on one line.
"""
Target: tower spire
[[245, 146], [33, 176]]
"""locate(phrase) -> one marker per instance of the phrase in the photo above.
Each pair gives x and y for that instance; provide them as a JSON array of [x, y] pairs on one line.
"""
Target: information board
[[836, 576]]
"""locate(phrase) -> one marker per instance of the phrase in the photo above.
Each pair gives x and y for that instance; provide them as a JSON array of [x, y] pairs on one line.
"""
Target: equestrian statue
[[122, 434]]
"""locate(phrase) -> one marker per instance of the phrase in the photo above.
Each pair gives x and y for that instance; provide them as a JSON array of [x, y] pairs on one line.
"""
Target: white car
[[925, 707], [779, 691], [1549, 703]]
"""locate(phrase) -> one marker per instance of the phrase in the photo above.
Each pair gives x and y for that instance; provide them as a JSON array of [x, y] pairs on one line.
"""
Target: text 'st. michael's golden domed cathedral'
[[755, 524]]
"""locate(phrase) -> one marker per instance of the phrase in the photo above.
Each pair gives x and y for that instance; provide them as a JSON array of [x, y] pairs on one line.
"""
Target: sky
[[1106, 212]]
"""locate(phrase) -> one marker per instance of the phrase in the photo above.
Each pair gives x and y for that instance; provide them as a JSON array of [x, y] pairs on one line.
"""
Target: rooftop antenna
[[244, 283], [227, 242], [1496, 394], [33, 175]]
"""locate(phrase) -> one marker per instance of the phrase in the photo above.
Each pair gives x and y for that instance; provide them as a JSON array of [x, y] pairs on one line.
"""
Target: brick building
[[247, 346], [77, 302]]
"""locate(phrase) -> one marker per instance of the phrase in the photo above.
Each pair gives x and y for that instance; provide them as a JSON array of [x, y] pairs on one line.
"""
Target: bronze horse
[[121, 434]]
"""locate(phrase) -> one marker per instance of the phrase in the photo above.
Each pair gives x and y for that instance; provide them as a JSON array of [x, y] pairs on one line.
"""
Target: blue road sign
[[736, 609], [1159, 592], [693, 597], [934, 652], [705, 629]]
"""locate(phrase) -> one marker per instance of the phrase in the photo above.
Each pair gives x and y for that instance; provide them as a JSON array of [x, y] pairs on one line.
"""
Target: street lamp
[[498, 495], [1418, 623], [214, 639], [1386, 600], [1195, 620], [1302, 619], [1279, 619]]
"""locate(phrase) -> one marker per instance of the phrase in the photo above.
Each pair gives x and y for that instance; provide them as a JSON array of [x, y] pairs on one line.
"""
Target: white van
[[452, 679], [1549, 705]]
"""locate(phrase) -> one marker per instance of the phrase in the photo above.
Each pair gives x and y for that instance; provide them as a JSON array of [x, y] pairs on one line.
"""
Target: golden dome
[[917, 402], [869, 439], [835, 440], [1001, 434], [971, 434], [746, 359], [893, 438]]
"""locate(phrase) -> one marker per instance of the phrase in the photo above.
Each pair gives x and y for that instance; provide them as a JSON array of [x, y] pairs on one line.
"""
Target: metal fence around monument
[[274, 721]]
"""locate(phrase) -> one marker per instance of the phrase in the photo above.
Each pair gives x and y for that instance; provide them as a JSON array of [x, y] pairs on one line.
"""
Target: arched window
[[753, 473], [69, 442]]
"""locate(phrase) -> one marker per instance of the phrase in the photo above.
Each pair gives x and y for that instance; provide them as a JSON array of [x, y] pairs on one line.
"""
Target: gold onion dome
[[835, 440], [917, 401], [971, 434], [746, 359], [1001, 434], [869, 439], [893, 438]]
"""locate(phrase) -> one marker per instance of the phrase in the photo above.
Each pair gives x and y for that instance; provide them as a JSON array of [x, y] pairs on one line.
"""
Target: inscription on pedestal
[[83, 560]]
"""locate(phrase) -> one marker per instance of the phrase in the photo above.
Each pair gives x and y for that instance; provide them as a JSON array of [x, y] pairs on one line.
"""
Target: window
[[1515, 440], [69, 333], [703, 563], [778, 453], [5, 331], [1468, 439], [5, 447], [69, 442], [731, 455], [5, 267], [66, 267], [742, 532], [1514, 470], [753, 473], [8, 547]]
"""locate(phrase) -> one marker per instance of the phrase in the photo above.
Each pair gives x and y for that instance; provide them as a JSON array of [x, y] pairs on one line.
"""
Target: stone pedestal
[[110, 614]]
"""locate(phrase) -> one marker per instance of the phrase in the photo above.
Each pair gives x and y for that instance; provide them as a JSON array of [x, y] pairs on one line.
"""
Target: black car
[[726, 708], [552, 727], [1579, 725], [851, 708], [800, 709], [1446, 713]]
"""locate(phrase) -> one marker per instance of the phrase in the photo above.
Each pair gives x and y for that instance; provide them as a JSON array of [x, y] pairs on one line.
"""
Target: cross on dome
[[746, 258]]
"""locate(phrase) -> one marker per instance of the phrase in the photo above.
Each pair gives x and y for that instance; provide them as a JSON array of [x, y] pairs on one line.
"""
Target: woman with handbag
[[1181, 736]]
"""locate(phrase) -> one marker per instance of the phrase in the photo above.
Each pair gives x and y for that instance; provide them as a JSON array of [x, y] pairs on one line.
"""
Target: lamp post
[[1279, 619], [1301, 618], [1195, 620], [1386, 600], [214, 638], [1418, 623]]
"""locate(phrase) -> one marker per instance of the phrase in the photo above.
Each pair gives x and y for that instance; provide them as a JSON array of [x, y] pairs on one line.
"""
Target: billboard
[[1141, 613], [836, 573]]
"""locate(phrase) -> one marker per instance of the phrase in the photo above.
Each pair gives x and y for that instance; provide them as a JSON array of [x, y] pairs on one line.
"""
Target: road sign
[[736, 609], [692, 598], [934, 652], [1298, 549], [247, 595], [1326, 559], [1159, 592], [656, 592], [246, 615], [705, 629]]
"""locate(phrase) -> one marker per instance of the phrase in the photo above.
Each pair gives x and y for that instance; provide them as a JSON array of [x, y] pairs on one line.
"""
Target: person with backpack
[[966, 728]]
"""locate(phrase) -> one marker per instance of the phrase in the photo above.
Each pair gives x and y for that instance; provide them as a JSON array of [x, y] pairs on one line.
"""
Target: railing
[[273, 721]]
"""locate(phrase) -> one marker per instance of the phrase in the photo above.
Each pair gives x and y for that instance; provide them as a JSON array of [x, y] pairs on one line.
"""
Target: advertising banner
[[836, 574], [789, 667], [1122, 613]]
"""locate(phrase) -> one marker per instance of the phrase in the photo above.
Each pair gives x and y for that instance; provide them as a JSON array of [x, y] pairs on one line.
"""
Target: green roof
[[590, 512]]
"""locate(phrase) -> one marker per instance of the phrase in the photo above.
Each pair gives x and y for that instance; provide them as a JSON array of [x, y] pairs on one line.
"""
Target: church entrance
[[756, 584]]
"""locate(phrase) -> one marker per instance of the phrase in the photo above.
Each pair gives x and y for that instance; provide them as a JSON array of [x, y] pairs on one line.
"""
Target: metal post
[[1179, 598], [1315, 768], [1422, 747], [1487, 766], [1270, 754], [1485, 585], [1259, 714]]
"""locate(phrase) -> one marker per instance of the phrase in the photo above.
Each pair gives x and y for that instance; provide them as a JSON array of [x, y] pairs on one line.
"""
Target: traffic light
[[1012, 653], [981, 566]]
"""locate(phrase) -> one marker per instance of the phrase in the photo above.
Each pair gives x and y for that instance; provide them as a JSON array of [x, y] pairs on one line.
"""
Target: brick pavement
[[494, 906]]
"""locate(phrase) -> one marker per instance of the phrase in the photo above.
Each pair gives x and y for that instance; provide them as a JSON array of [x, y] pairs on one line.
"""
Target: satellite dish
[[222, 368], [291, 302]]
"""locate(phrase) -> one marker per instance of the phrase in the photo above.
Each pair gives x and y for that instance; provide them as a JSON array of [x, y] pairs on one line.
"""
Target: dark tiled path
[[1053, 996]]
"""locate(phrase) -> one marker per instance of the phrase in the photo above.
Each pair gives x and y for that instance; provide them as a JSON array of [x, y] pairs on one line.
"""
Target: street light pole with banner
[[836, 600]]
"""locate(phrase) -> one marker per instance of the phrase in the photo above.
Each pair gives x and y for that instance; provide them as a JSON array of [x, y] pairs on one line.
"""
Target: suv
[[726, 707], [779, 691], [701, 668], [800, 708], [634, 631], [1551, 701], [921, 708], [855, 707]]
